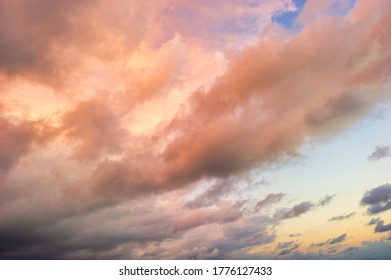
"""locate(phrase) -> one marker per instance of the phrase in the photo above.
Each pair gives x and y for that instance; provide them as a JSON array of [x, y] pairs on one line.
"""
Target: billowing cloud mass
[[378, 199], [138, 129]]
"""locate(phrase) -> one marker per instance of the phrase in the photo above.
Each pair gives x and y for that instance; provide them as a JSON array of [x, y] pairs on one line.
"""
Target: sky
[[196, 129]]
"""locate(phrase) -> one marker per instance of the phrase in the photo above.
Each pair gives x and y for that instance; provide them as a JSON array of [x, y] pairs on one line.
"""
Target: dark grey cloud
[[295, 211], [380, 152], [269, 199], [85, 237], [378, 199], [381, 227], [342, 217]]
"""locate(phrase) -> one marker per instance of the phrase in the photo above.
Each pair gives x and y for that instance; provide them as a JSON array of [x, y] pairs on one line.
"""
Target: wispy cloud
[[268, 200], [332, 241], [326, 200], [342, 217], [295, 211]]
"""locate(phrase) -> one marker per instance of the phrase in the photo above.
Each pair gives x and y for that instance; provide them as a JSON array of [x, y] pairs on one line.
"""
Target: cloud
[[378, 250], [289, 250], [380, 152], [381, 227], [284, 245], [378, 199], [292, 235], [200, 217], [94, 128], [332, 241], [326, 200], [350, 250], [342, 217], [238, 238], [287, 247], [66, 34], [247, 119], [338, 239], [373, 221], [16, 140], [211, 195], [295, 211], [269, 199]]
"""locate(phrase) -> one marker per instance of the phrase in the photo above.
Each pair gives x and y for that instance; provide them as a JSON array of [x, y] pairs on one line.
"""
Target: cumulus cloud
[[342, 217], [378, 199], [380, 152]]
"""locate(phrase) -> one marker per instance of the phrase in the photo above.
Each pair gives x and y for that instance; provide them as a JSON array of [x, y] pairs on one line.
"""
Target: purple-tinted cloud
[[268, 200], [289, 249], [378, 199], [326, 200], [381, 227], [373, 221], [380, 152], [211, 195], [342, 217], [332, 241], [295, 211]]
